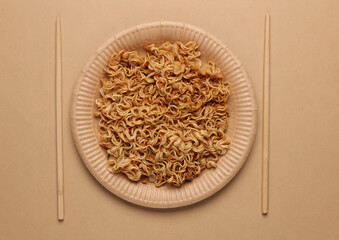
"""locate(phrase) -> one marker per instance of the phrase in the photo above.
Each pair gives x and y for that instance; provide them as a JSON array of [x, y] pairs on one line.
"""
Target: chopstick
[[58, 84], [266, 115]]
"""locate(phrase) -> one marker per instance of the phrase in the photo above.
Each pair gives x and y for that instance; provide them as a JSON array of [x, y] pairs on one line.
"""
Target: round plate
[[242, 121]]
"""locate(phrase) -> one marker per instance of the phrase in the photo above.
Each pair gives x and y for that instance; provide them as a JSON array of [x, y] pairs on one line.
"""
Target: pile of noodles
[[163, 117]]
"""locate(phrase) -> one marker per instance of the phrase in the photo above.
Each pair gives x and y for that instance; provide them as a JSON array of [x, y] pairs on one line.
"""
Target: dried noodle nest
[[163, 117]]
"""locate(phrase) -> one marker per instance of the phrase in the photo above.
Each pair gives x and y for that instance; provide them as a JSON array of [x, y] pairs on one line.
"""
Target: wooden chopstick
[[266, 116], [58, 84]]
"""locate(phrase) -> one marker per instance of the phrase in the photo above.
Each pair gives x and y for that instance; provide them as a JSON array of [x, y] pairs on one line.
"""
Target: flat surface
[[304, 135]]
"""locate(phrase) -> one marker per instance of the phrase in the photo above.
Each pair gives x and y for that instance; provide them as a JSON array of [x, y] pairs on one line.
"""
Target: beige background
[[304, 166]]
